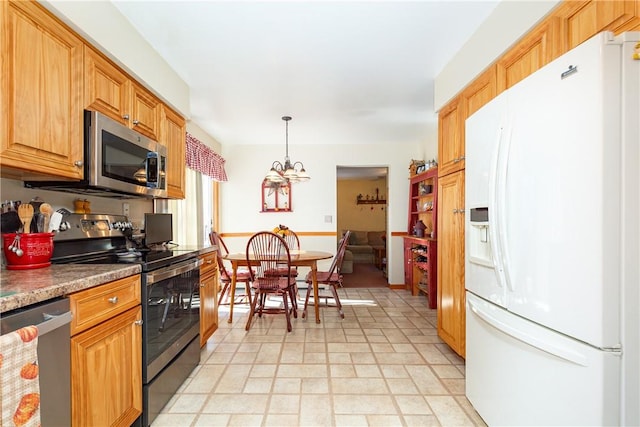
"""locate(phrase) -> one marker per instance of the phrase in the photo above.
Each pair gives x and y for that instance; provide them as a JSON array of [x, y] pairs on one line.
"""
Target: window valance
[[203, 159]]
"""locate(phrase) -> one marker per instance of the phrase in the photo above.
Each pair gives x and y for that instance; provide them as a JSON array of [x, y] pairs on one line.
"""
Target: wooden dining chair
[[293, 243], [266, 250], [332, 278], [242, 275]]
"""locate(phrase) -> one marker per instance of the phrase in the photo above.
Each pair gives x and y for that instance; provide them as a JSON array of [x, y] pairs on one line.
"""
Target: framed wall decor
[[276, 197]]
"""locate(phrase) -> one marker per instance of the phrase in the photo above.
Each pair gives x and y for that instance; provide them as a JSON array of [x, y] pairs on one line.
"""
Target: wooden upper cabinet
[[482, 90], [584, 19], [173, 137], [112, 92], [40, 94], [536, 49], [106, 88], [450, 138], [146, 111]]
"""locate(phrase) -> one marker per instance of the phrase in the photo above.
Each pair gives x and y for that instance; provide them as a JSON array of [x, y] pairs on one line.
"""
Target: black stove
[[106, 239], [170, 298]]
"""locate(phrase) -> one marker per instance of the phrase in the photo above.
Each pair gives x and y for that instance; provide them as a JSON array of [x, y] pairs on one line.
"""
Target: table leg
[[232, 291], [316, 305]]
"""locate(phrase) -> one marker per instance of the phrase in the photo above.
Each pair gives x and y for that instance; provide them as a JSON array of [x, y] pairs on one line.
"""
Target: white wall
[[509, 21], [315, 199]]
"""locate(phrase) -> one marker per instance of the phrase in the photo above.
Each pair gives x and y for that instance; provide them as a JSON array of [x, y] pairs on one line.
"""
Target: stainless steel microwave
[[118, 162]]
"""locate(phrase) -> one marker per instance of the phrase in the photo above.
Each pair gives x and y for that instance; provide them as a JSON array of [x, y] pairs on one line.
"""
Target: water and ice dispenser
[[479, 241]]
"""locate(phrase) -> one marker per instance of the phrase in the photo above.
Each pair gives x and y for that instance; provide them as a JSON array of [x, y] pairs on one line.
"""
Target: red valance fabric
[[203, 159]]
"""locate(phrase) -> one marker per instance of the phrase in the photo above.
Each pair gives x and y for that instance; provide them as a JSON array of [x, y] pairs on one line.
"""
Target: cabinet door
[[106, 88], [106, 372], [208, 307], [146, 112], [478, 93], [585, 19], [450, 275], [40, 93], [173, 136], [451, 138], [535, 50]]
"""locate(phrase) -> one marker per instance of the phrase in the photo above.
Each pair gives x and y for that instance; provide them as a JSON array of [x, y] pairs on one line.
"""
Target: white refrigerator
[[552, 232]]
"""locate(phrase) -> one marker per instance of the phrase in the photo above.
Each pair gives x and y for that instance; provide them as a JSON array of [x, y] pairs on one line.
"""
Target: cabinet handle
[[456, 160], [126, 117], [113, 300], [202, 285], [135, 122], [462, 158], [209, 261], [138, 322], [78, 163], [455, 211]]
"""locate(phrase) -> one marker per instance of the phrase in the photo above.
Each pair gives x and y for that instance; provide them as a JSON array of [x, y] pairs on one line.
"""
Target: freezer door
[[484, 131], [559, 195], [519, 373]]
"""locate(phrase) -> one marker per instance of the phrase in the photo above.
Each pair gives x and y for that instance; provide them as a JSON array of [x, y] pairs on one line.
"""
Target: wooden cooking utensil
[[25, 212], [46, 210]]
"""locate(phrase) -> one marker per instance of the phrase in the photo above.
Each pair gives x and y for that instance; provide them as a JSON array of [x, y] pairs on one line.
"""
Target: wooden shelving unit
[[420, 251]]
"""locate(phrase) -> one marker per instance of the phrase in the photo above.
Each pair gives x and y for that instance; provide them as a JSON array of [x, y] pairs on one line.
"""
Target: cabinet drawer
[[95, 305], [209, 263]]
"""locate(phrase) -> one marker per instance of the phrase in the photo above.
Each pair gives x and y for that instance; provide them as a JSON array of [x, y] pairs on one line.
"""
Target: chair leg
[[252, 311], [224, 291], [306, 301], [294, 305], [286, 309], [335, 296]]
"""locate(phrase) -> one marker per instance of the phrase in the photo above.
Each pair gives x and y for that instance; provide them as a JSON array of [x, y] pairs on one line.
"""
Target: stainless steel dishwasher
[[53, 319]]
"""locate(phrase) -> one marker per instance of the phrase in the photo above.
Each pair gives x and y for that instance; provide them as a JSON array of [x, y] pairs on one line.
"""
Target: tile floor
[[383, 365]]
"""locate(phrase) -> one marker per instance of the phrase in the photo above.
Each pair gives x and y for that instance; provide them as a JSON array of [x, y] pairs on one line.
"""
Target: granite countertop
[[20, 288]]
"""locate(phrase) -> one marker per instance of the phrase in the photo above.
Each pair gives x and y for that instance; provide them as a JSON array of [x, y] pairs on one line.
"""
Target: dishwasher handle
[[53, 322]]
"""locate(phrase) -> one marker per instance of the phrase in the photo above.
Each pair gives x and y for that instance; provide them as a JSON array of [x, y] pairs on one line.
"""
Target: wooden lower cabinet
[[106, 354], [208, 296], [451, 296]]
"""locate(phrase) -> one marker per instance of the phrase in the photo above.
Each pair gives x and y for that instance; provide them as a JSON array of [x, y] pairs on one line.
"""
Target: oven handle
[[174, 270]]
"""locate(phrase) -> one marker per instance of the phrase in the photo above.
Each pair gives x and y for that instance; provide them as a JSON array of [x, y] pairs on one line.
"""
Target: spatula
[[25, 212], [46, 210]]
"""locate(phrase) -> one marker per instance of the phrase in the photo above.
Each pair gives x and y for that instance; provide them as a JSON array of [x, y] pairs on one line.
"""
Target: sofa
[[362, 244]]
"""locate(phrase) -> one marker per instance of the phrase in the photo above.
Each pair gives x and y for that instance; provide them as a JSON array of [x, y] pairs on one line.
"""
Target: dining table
[[299, 258]]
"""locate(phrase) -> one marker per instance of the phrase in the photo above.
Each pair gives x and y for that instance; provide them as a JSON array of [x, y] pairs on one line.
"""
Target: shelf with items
[[420, 267], [423, 198], [420, 246], [371, 200], [276, 197]]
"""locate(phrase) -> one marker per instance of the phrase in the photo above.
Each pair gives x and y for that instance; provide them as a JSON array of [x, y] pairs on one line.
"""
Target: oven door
[[171, 313]]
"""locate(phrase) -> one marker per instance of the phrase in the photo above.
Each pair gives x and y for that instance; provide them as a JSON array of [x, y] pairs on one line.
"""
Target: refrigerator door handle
[[501, 190], [555, 350], [493, 212]]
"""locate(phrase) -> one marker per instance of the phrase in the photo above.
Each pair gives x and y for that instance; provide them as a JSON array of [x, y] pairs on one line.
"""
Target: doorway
[[361, 207]]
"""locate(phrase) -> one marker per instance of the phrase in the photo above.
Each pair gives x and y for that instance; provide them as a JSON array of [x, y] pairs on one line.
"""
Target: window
[[193, 216]]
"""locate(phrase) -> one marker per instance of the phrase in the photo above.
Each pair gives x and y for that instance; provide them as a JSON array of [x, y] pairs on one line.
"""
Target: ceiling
[[348, 72]]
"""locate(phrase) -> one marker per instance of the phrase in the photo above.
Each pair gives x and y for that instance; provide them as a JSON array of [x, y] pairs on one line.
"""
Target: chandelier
[[288, 172]]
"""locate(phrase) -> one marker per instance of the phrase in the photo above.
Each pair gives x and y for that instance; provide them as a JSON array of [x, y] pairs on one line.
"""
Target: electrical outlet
[[125, 209], [328, 219]]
